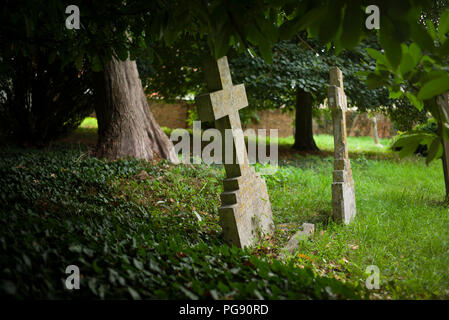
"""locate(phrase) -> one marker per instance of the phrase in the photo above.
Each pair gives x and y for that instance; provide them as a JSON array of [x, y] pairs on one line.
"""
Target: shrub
[[41, 101]]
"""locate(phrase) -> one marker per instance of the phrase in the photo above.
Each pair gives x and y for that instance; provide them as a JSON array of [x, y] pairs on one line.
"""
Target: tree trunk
[[375, 132], [303, 122], [126, 126]]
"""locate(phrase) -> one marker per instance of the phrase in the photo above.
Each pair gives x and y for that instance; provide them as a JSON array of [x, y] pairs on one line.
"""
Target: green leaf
[[434, 87], [265, 52], [414, 101], [374, 81], [431, 29], [377, 55], [435, 148], [396, 94], [138, 264], [444, 49], [415, 52], [289, 28], [221, 43], [188, 293], [390, 43], [332, 22], [443, 26], [407, 64], [352, 25], [421, 37]]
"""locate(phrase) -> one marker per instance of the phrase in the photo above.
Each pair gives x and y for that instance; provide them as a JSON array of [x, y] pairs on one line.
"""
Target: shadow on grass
[[88, 137]]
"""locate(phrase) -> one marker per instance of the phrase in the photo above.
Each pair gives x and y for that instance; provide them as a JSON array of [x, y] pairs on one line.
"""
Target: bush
[[134, 229], [418, 141], [41, 101]]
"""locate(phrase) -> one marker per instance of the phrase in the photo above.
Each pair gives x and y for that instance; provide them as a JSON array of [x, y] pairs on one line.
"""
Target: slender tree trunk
[[303, 122], [126, 126]]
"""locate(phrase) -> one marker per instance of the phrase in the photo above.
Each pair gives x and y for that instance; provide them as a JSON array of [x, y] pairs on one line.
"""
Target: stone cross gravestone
[[343, 191], [245, 211], [442, 100]]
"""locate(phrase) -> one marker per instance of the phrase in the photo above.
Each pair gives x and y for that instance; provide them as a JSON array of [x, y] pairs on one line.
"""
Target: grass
[[402, 223], [363, 145], [89, 122]]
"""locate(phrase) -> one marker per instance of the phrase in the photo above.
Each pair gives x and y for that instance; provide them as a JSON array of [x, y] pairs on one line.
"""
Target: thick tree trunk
[[303, 122], [126, 126]]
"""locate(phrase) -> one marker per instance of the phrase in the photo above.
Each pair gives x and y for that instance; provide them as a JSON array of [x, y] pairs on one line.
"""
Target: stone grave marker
[[293, 244], [442, 100], [343, 191], [245, 211]]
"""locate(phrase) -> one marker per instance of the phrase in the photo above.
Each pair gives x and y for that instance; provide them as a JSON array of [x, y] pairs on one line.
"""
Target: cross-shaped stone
[[343, 191], [245, 212], [222, 105]]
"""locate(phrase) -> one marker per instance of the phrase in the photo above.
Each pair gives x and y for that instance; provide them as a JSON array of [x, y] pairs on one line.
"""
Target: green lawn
[[364, 145], [402, 222]]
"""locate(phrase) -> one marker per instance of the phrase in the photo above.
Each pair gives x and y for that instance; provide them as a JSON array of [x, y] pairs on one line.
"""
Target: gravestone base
[[245, 213], [343, 201], [343, 192]]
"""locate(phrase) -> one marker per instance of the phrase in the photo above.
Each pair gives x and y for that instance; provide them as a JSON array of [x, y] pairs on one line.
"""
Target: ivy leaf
[[434, 87], [134, 294]]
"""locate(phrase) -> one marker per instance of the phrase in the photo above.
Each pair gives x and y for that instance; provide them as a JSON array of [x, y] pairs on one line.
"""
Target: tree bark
[[375, 132], [126, 125], [303, 122]]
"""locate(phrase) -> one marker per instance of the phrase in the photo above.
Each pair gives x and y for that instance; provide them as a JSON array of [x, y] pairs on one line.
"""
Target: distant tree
[[297, 79]]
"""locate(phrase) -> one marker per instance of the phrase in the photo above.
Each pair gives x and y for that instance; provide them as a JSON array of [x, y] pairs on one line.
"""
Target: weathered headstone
[[343, 191], [442, 100], [292, 245], [245, 211]]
